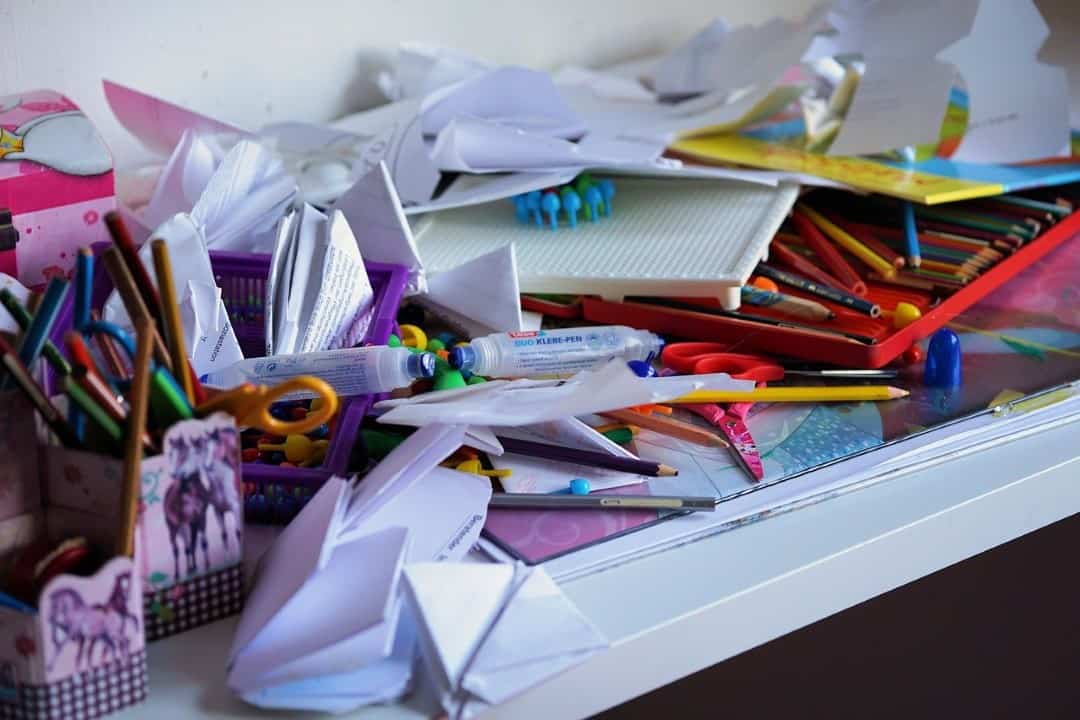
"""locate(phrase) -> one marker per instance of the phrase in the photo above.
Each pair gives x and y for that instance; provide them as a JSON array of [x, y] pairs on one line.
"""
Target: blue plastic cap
[[580, 486], [943, 359], [462, 357], [420, 365], [642, 368]]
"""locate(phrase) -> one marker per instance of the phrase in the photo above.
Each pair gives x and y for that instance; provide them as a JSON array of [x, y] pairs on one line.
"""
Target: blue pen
[[37, 333], [911, 235]]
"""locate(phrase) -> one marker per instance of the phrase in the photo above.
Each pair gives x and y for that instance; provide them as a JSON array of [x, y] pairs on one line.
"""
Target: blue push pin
[[607, 191], [642, 368], [532, 203], [578, 486], [593, 199], [550, 204], [521, 208], [571, 202], [943, 357]]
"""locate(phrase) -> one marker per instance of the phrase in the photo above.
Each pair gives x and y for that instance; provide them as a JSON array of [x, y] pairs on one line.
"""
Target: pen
[[538, 501], [586, 457]]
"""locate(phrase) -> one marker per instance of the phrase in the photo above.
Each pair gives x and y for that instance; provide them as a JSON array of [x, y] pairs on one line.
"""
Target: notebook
[[664, 237]]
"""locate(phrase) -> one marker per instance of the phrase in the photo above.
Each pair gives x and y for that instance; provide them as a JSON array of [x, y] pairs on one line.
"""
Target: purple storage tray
[[242, 278]]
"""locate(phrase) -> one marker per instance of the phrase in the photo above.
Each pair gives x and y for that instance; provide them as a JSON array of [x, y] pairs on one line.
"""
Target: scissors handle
[[259, 414]]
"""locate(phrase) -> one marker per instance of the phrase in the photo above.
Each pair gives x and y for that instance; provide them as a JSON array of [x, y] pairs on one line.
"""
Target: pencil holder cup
[[71, 645], [189, 536]]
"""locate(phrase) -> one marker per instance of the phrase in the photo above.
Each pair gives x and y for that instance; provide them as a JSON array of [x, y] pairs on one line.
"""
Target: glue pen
[[350, 371], [548, 353]]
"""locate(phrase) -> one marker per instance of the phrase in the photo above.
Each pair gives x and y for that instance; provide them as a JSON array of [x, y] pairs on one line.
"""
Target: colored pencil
[[170, 310], [871, 241], [975, 222], [668, 426], [107, 426], [122, 240], [911, 236], [543, 501], [23, 318], [35, 336], [827, 253], [1055, 210], [586, 457], [840, 297], [787, 304], [132, 299], [750, 320], [18, 373], [100, 391], [139, 399], [849, 243], [824, 393], [803, 266]]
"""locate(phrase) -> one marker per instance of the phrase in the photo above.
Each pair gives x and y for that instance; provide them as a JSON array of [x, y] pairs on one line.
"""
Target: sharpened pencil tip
[[895, 393], [666, 471]]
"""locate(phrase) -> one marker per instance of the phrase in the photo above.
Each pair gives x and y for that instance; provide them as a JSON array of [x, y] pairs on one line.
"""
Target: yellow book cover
[[859, 173]]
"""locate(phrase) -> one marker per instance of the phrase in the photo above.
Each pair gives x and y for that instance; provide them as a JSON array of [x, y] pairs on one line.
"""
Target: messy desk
[[412, 413]]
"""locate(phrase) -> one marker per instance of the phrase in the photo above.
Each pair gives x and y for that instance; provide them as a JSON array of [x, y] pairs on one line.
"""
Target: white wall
[[251, 62]]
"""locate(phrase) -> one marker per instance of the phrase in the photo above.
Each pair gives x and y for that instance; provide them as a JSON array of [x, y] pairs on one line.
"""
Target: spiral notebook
[[689, 238]]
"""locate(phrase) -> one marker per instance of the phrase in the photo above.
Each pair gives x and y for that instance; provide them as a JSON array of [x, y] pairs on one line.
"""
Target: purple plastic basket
[[242, 279]]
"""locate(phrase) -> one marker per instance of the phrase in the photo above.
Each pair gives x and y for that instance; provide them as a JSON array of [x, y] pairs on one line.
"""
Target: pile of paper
[[318, 296]]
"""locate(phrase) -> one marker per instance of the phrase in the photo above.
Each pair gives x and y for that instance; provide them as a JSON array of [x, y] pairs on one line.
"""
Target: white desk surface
[[676, 612]]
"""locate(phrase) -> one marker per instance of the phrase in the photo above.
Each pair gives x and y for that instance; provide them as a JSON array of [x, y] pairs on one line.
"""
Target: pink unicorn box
[[189, 538], [56, 184]]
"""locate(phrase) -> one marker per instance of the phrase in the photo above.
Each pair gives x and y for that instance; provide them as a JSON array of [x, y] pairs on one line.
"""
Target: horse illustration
[[185, 506], [73, 621], [118, 601], [220, 470]]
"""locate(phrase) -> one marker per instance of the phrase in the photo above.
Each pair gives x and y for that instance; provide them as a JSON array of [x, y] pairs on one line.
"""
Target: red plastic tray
[[793, 343]]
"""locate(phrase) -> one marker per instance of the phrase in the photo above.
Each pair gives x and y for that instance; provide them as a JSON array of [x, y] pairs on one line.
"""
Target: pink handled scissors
[[705, 357]]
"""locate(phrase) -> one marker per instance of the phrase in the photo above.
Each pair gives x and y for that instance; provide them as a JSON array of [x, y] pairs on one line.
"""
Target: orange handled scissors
[[701, 358], [250, 405]]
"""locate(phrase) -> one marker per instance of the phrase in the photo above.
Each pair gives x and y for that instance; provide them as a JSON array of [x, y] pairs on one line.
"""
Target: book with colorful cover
[[931, 182]]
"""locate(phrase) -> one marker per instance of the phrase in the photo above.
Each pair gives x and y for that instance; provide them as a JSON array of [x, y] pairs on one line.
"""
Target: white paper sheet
[[513, 96], [394, 138], [898, 102], [420, 69], [489, 632], [372, 208], [1018, 106], [525, 402], [479, 146], [724, 60], [484, 289]]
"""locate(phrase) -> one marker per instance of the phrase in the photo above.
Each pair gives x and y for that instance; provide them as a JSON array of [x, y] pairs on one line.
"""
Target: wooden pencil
[[9, 361], [108, 350], [170, 310], [828, 253], [849, 243], [132, 299], [139, 400], [668, 426], [787, 257], [126, 245]]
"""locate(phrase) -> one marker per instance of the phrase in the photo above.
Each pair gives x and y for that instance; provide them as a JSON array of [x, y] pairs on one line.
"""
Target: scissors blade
[[743, 446]]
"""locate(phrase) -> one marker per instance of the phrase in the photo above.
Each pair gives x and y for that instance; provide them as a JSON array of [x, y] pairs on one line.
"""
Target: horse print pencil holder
[[71, 627], [189, 537]]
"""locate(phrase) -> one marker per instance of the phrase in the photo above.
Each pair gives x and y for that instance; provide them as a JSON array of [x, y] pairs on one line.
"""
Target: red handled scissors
[[701, 358]]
